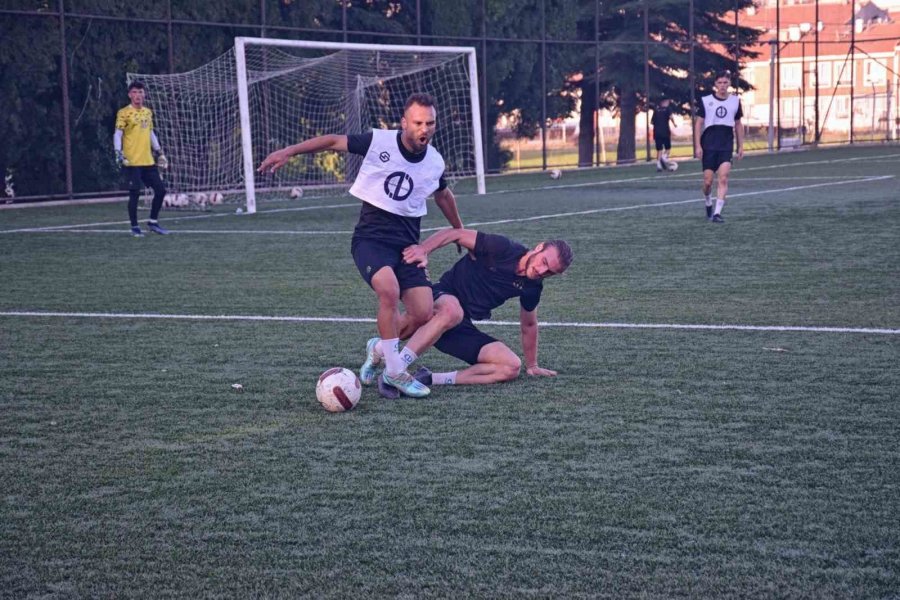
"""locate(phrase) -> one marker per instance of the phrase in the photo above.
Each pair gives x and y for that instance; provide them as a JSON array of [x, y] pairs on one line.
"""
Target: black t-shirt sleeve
[[359, 143], [442, 182], [740, 112], [701, 111], [530, 297], [490, 247]]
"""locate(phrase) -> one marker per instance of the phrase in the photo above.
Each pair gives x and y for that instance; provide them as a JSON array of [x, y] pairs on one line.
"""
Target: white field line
[[54, 228], [672, 203], [580, 325], [478, 223], [738, 170]]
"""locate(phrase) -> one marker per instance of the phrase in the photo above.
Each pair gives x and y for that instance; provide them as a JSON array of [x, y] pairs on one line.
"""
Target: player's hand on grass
[[415, 254], [275, 161], [537, 371]]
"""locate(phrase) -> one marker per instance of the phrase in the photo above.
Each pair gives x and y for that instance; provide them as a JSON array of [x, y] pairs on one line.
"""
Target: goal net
[[218, 122]]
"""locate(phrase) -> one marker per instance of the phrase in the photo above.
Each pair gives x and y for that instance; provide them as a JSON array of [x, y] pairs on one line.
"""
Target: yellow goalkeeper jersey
[[136, 125]]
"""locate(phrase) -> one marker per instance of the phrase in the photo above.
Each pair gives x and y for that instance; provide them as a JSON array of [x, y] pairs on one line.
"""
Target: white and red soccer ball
[[338, 390]]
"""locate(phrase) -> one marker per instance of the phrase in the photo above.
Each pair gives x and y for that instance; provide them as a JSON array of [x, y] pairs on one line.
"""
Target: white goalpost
[[218, 122]]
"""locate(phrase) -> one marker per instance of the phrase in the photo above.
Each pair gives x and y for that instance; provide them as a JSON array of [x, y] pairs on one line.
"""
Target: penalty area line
[[561, 324]]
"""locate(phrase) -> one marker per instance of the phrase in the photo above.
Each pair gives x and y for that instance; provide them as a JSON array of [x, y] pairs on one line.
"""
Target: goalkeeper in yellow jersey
[[135, 144]]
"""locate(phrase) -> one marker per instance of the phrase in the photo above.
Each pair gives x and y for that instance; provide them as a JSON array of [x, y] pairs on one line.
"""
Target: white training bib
[[392, 183], [719, 112]]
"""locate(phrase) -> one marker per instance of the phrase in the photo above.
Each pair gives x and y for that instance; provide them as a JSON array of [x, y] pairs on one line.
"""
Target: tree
[[718, 45]]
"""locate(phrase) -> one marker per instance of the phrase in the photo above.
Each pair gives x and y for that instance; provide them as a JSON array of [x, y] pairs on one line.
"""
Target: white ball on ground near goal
[[555, 173], [169, 200], [338, 390], [182, 200], [200, 198], [671, 165], [296, 192], [216, 198]]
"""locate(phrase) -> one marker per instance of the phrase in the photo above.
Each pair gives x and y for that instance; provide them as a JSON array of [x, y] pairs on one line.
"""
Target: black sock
[[133, 196]]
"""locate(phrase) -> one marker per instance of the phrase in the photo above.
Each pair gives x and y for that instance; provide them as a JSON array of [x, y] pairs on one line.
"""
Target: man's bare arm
[[279, 158]]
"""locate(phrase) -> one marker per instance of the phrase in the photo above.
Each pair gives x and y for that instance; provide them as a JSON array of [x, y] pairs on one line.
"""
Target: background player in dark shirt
[[662, 133], [495, 270]]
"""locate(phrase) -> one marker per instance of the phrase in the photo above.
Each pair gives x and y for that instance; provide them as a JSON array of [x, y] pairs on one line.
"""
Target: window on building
[[824, 74], [874, 72], [842, 107], [790, 77], [842, 72]]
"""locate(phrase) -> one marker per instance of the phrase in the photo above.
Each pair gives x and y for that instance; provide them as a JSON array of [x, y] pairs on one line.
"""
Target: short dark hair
[[421, 99], [565, 251], [724, 74], [137, 84]]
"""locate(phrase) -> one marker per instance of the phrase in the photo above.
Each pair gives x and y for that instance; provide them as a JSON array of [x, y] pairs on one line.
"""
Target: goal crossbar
[[240, 47]]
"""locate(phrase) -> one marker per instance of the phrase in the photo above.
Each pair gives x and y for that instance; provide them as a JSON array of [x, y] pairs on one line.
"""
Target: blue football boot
[[156, 228], [373, 359], [406, 384]]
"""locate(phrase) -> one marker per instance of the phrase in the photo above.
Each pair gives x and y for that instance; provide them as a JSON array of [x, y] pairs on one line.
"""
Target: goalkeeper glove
[[162, 161], [121, 161]]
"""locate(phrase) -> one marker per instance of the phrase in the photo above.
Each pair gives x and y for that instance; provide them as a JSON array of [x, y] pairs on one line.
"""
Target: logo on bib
[[721, 112], [398, 186], [384, 156]]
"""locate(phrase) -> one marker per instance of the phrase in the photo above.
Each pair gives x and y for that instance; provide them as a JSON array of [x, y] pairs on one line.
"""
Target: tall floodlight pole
[[852, 61], [817, 73], [691, 77], [543, 87], [773, 48], [647, 79]]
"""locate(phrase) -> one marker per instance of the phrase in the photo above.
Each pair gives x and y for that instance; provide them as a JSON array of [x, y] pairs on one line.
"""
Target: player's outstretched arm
[[529, 329], [418, 253], [446, 201], [279, 158]]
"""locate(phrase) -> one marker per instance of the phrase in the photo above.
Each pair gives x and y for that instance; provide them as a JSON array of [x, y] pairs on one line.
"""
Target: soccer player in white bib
[[717, 126], [400, 170]]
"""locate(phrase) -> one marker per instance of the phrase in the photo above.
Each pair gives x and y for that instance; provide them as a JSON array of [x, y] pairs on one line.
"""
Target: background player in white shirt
[[400, 170]]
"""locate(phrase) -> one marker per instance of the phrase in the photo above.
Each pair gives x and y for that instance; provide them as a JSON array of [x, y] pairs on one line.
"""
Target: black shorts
[[137, 178], [464, 341], [713, 159], [663, 141], [370, 256]]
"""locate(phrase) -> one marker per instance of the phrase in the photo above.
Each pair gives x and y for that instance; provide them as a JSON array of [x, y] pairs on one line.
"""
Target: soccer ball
[[200, 199], [338, 390], [296, 192], [555, 174], [215, 198], [671, 165]]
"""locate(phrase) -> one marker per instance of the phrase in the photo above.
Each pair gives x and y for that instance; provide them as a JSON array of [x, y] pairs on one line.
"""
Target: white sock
[[393, 364], [708, 200], [443, 378], [408, 356], [720, 204]]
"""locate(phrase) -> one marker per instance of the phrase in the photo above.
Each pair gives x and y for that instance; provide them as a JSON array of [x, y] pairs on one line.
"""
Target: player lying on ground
[[400, 170], [495, 270]]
